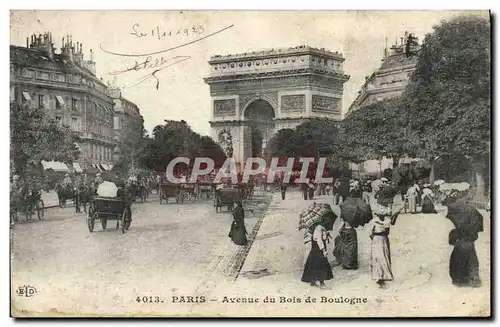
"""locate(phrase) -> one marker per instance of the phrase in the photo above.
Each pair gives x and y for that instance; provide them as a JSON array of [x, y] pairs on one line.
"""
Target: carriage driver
[[132, 180], [98, 180], [16, 185], [67, 182]]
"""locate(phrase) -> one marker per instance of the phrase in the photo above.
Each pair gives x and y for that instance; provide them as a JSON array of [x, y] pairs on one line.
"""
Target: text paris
[[161, 33]]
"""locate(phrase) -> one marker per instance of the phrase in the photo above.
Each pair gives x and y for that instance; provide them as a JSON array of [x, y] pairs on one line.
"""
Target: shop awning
[[106, 166], [55, 166], [110, 167], [60, 100], [77, 168], [26, 96], [101, 167], [96, 166]]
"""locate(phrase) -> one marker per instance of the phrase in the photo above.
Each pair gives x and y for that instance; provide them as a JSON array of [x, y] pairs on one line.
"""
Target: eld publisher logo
[[26, 291]]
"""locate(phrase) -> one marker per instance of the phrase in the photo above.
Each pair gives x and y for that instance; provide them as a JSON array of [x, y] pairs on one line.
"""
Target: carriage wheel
[[104, 223], [125, 220], [91, 218], [40, 209]]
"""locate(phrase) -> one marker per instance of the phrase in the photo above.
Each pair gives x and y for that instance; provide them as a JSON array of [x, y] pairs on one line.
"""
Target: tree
[[177, 139], [448, 97], [131, 150], [34, 137], [282, 144], [377, 130], [318, 137], [210, 149]]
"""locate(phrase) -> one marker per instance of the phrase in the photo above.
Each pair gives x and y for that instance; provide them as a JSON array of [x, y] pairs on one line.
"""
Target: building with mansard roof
[[388, 81], [65, 85]]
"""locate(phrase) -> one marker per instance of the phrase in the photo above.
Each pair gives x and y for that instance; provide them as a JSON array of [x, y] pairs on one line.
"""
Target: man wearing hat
[[67, 180], [98, 180]]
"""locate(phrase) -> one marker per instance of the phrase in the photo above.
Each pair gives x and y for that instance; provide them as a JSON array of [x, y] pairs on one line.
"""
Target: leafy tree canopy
[[376, 130], [176, 139], [448, 98], [34, 137]]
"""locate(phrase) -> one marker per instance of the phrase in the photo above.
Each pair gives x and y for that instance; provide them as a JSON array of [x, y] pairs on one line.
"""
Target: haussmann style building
[[65, 85]]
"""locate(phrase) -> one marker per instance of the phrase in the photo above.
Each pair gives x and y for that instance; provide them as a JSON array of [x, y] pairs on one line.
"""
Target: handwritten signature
[[156, 63]]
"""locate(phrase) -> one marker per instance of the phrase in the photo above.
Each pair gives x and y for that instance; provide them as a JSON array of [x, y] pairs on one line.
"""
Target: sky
[[182, 93]]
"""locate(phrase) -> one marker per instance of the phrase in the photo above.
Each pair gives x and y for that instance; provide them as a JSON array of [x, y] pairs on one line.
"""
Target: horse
[[67, 192], [84, 193]]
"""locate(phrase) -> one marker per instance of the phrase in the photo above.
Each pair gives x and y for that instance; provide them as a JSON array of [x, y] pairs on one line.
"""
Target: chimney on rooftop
[[42, 43]]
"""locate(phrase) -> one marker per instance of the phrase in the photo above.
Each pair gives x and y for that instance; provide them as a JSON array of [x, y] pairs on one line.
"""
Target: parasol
[[464, 216], [315, 214], [355, 212], [439, 182], [454, 186]]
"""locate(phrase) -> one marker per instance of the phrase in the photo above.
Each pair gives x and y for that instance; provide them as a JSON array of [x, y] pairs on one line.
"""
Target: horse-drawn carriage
[[171, 191], [80, 195], [105, 209], [226, 197], [139, 190], [205, 190], [27, 201], [189, 191]]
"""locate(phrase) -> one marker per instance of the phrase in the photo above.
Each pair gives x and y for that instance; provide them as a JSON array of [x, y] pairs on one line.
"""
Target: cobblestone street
[[170, 249]]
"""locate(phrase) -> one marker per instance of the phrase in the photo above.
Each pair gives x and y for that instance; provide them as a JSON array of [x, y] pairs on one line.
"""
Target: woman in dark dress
[[317, 267], [464, 265], [346, 247], [346, 243], [427, 200], [238, 232]]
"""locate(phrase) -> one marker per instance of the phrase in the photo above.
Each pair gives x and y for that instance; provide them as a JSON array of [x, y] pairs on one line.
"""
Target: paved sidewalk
[[420, 258]]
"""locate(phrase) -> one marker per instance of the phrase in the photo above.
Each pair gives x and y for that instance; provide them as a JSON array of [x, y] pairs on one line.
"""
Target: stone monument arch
[[253, 95]]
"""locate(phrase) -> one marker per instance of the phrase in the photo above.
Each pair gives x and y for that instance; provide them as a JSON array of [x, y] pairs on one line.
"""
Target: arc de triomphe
[[253, 95]]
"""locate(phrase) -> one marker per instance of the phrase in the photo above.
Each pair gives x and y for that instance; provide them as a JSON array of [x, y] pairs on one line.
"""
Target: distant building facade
[[128, 123], [389, 81], [66, 86]]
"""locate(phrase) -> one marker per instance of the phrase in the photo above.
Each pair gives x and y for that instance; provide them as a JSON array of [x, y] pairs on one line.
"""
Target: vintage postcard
[[250, 163]]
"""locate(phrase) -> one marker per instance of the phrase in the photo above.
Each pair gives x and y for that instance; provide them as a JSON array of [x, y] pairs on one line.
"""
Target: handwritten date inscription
[[154, 61], [161, 33]]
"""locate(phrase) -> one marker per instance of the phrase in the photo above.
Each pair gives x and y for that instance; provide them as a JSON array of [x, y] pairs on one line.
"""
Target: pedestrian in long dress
[[464, 265], [317, 268], [305, 190], [238, 232], [381, 266], [346, 247], [427, 200], [346, 243], [311, 189], [411, 196]]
